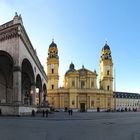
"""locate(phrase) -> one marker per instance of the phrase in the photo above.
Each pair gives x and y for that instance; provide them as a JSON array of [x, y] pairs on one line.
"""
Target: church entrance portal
[[82, 107]]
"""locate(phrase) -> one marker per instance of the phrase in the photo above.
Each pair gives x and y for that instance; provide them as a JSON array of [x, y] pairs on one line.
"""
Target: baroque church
[[25, 86], [80, 91]]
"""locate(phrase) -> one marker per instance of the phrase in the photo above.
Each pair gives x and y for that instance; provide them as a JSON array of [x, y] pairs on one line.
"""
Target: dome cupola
[[53, 51], [106, 52], [106, 47], [71, 67], [53, 45]]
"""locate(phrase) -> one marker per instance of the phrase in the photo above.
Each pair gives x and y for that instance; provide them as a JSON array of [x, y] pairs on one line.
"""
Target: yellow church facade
[[80, 91]]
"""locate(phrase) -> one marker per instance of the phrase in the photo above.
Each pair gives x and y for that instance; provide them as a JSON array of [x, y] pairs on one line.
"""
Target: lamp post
[[115, 90]]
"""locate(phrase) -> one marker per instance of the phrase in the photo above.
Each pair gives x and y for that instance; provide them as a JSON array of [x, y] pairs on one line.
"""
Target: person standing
[[71, 111], [47, 112], [43, 113], [33, 113]]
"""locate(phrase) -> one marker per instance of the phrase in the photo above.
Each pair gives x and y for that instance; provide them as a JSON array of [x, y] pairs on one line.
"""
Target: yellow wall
[[80, 86]]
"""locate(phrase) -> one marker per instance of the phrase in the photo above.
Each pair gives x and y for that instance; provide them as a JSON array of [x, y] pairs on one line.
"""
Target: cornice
[[13, 29], [9, 33]]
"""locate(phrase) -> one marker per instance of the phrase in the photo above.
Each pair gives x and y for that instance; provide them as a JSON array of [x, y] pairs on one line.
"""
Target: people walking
[[71, 112], [46, 112]]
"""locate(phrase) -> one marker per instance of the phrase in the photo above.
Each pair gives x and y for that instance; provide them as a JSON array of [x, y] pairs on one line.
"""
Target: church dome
[[106, 52], [106, 47], [53, 45], [71, 68], [53, 51]]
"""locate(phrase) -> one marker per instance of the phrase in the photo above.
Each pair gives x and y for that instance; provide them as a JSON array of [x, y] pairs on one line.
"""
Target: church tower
[[106, 69], [52, 67]]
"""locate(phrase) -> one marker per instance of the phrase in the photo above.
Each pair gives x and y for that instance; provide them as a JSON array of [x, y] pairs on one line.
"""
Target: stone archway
[[6, 77], [39, 87], [27, 82]]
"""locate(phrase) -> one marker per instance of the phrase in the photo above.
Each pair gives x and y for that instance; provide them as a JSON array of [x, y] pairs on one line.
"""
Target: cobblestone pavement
[[79, 126]]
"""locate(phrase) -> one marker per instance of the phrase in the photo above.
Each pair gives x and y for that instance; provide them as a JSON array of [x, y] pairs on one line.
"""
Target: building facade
[[80, 91], [23, 81], [126, 101]]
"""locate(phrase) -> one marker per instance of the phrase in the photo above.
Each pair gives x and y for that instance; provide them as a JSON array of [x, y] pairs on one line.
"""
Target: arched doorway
[[27, 82], [6, 77], [39, 87]]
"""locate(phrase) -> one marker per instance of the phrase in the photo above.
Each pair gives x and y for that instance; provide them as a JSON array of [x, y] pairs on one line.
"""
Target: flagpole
[[114, 89]]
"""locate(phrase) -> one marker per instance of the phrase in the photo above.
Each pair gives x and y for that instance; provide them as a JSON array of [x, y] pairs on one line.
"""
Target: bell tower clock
[[106, 69], [53, 66]]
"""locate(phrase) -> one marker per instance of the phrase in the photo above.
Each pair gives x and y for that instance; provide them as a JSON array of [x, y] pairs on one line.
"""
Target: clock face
[[52, 66]]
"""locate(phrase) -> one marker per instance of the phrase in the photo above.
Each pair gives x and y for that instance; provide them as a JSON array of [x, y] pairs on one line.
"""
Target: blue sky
[[80, 28]]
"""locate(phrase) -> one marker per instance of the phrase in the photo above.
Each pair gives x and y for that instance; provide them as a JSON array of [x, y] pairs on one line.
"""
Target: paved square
[[79, 126]]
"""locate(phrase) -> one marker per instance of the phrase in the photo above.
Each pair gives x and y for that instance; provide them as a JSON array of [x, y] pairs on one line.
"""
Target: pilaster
[[16, 85], [33, 94]]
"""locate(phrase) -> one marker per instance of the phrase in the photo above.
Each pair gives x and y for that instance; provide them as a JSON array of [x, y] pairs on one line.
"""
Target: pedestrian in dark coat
[[69, 111], [47, 112], [33, 113], [43, 113]]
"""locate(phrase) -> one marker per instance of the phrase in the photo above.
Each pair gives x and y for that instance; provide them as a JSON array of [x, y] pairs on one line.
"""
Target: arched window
[[108, 72], [107, 87], [52, 71], [52, 86], [92, 84], [82, 84], [73, 84]]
